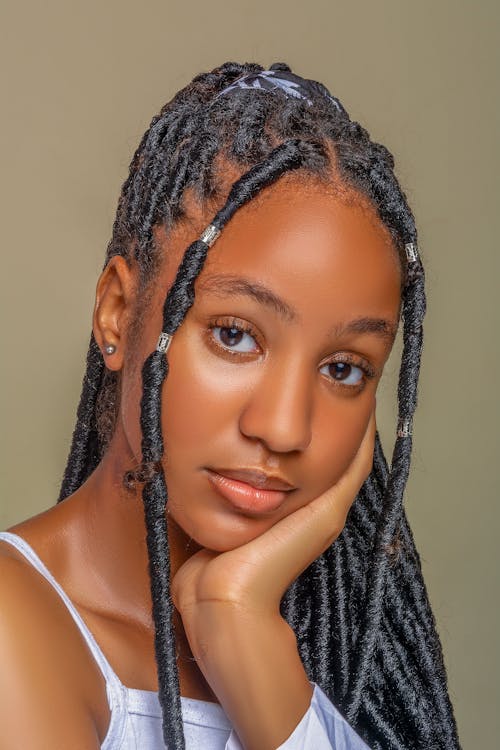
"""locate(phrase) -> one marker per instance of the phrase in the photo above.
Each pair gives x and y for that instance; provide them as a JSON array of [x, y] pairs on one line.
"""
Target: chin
[[223, 532]]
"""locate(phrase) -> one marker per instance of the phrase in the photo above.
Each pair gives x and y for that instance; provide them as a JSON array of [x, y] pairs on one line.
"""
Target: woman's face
[[276, 365]]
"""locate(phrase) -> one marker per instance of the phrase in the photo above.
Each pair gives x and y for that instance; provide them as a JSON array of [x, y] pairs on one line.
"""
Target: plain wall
[[81, 81]]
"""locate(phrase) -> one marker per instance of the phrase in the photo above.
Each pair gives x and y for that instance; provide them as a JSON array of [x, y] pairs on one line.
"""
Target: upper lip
[[257, 478]]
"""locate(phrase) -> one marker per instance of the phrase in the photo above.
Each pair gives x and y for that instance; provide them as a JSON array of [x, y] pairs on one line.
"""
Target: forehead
[[311, 243], [306, 241]]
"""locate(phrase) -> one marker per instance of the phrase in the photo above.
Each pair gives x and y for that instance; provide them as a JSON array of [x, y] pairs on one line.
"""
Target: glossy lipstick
[[245, 496]]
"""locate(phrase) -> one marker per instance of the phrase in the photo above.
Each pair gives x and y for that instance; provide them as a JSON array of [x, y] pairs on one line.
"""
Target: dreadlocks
[[365, 630]]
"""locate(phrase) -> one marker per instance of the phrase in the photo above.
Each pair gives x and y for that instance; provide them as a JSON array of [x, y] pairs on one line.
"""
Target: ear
[[115, 296]]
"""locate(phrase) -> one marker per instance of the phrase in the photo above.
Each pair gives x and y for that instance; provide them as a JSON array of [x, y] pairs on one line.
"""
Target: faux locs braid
[[179, 299], [365, 630]]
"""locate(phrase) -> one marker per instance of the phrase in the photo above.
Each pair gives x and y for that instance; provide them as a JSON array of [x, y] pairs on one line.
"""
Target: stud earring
[[110, 348]]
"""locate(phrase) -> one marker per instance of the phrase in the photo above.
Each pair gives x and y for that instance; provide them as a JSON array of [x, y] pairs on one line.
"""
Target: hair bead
[[209, 235], [164, 341], [405, 427], [411, 249]]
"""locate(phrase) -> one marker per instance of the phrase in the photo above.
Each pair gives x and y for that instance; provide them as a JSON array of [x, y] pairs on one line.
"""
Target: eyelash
[[244, 327]]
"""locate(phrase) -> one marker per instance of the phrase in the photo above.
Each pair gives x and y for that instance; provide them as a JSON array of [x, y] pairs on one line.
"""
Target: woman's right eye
[[234, 339]]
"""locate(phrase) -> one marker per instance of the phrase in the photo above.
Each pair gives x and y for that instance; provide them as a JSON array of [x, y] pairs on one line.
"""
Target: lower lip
[[245, 497]]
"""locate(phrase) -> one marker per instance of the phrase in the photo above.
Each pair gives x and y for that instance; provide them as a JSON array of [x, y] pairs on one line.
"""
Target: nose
[[279, 409]]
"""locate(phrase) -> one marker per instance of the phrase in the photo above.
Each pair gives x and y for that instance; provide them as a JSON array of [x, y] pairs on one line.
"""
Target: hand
[[229, 604], [253, 578]]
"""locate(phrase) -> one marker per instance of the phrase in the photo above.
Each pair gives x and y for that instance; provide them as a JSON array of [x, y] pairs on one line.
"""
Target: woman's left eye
[[235, 339], [345, 372]]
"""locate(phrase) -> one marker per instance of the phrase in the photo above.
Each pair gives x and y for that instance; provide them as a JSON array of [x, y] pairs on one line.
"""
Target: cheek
[[199, 403], [336, 440]]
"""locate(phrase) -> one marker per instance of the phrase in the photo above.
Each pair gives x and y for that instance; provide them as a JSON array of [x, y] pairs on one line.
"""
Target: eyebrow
[[225, 285]]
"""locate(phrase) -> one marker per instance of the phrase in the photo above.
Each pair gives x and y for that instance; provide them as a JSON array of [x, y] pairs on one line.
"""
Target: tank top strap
[[109, 675]]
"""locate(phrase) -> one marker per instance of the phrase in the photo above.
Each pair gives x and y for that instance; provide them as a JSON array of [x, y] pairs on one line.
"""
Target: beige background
[[81, 82]]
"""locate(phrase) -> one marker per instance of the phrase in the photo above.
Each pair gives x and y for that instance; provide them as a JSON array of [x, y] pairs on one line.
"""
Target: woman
[[229, 540]]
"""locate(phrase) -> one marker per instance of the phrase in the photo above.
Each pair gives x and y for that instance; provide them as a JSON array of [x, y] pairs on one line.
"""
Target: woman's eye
[[235, 339], [346, 372]]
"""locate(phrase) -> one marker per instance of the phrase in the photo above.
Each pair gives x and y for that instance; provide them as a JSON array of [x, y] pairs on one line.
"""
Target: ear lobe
[[115, 294]]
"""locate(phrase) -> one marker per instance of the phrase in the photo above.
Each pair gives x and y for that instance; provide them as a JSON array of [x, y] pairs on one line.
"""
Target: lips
[[258, 479], [249, 490]]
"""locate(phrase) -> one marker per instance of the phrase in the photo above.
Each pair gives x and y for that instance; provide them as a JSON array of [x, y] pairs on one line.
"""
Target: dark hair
[[372, 644]]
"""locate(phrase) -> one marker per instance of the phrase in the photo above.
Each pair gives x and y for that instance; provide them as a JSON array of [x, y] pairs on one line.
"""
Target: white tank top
[[136, 719]]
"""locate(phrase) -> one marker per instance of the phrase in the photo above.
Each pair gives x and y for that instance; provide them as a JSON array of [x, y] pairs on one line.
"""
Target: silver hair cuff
[[405, 427], [164, 342], [209, 235], [411, 249]]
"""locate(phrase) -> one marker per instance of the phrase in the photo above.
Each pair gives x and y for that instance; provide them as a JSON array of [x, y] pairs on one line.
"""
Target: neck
[[109, 522]]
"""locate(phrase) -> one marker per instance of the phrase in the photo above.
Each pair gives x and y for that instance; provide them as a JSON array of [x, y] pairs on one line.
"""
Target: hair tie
[[272, 80]]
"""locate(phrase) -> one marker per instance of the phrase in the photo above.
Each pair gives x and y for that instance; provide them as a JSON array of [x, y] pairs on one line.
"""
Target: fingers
[[294, 542]]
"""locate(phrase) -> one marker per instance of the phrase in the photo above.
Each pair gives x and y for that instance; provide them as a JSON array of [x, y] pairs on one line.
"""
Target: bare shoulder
[[45, 683]]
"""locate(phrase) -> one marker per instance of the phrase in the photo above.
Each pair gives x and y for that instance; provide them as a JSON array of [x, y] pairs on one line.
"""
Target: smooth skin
[[269, 398]]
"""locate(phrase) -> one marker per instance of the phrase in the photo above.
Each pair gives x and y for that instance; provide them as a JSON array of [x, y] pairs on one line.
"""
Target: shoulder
[[45, 683]]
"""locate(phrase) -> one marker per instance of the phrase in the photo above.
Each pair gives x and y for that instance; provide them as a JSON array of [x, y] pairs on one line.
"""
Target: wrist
[[253, 666]]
